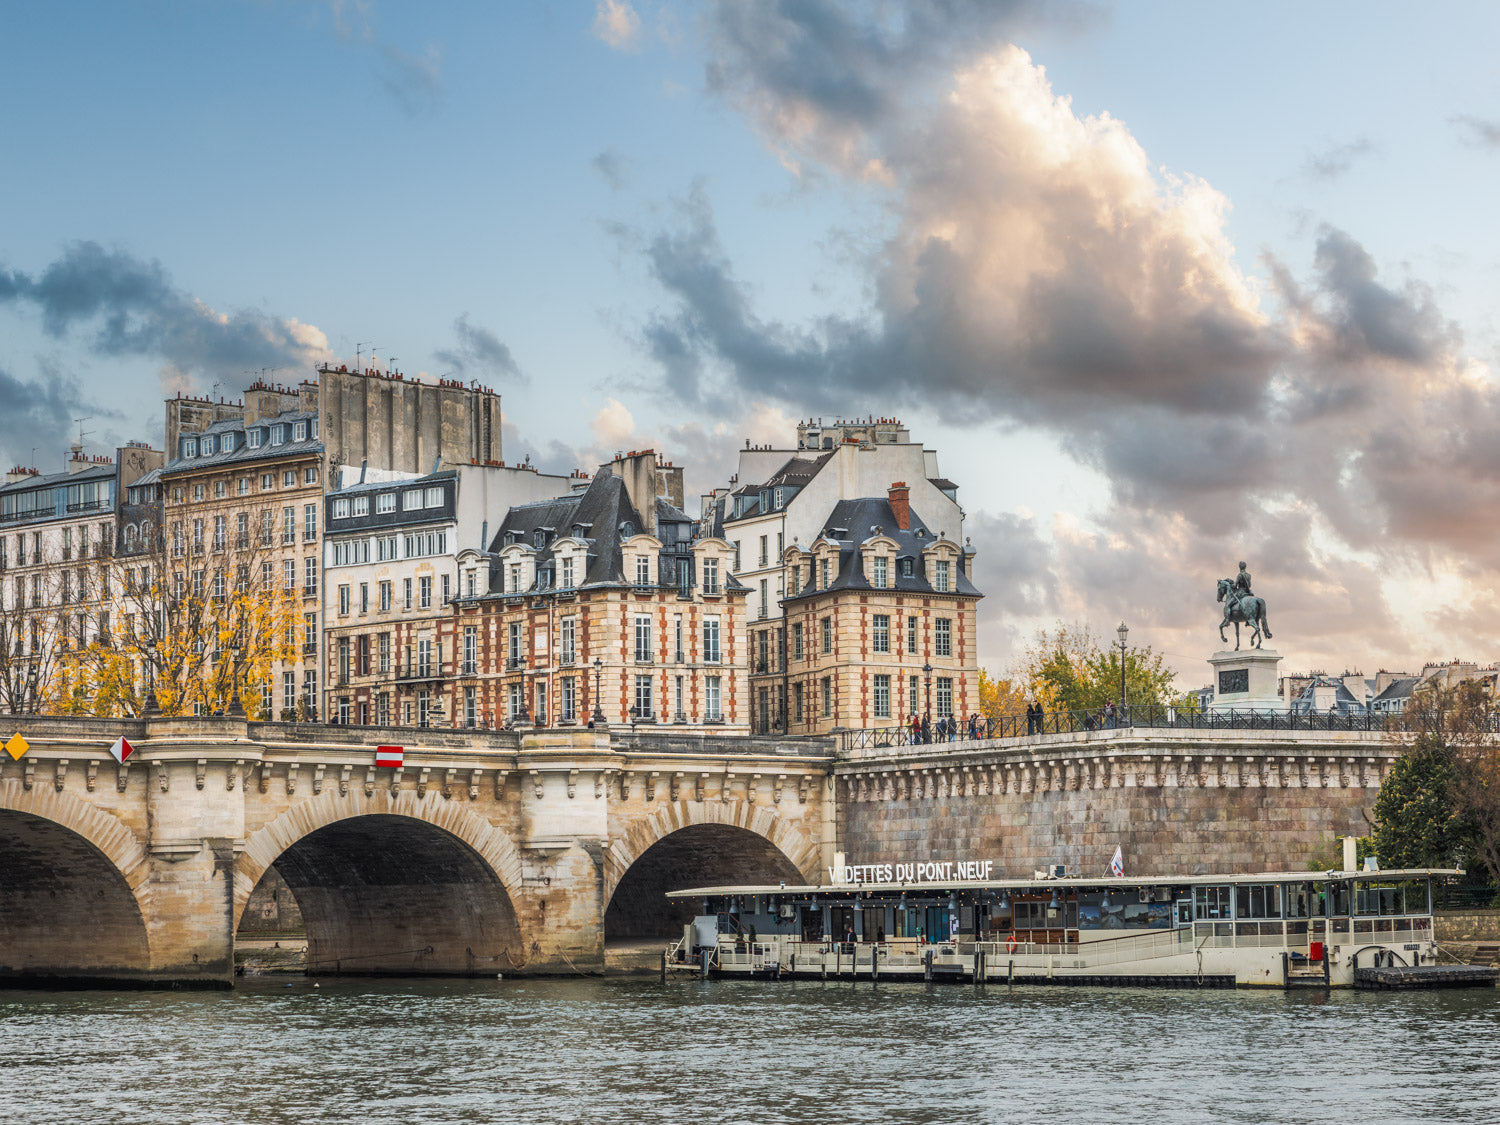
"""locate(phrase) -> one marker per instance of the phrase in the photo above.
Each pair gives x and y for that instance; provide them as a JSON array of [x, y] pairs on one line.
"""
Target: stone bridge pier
[[486, 852]]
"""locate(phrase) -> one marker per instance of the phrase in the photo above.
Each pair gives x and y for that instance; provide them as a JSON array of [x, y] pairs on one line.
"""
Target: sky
[[1166, 285]]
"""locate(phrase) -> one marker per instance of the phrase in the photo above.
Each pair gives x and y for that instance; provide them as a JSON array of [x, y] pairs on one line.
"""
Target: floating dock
[[1404, 977]]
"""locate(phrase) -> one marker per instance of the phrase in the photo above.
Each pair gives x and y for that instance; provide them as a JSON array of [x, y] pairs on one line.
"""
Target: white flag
[[1117, 865]]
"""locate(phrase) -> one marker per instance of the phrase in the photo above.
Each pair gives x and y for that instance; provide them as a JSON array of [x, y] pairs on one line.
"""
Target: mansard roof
[[852, 522]]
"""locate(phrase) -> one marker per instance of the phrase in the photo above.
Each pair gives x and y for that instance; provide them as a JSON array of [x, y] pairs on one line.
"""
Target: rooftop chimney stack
[[900, 497]]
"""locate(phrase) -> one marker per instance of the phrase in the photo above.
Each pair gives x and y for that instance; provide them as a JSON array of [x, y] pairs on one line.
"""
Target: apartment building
[[603, 604], [390, 561]]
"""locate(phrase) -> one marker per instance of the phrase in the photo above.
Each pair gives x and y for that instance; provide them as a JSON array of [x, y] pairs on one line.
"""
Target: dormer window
[[940, 572], [539, 540], [253, 438], [385, 503], [878, 577], [190, 447], [643, 570], [299, 431], [908, 568], [228, 443], [780, 498], [208, 446], [278, 434]]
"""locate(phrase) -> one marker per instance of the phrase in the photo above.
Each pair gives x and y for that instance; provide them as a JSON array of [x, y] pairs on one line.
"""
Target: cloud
[[130, 307], [414, 81], [612, 166], [1320, 418], [479, 351], [1334, 160], [616, 24], [37, 414], [1480, 132]]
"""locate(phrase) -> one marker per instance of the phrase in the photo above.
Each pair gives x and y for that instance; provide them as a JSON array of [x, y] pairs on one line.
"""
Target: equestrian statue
[[1242, 607]]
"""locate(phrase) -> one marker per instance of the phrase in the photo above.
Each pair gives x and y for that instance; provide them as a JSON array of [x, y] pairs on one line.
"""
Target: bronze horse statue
[[1242, 608]]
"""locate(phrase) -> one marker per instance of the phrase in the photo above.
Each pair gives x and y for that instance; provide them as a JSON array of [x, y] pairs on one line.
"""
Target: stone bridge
[[485, 852], [493, 852]]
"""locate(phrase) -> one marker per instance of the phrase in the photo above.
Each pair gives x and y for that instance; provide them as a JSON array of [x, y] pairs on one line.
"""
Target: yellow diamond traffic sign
[[17, 746]]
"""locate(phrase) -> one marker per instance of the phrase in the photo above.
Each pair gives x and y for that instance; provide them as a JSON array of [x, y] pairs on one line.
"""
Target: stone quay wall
[[1175, 802]]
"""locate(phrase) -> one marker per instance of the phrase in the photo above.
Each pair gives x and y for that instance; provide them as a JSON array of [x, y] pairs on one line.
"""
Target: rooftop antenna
[[390, 364], [359, 362], [81, 434]]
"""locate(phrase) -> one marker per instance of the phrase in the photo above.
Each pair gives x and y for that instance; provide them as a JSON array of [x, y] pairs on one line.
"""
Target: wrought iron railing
[[1155, 716]]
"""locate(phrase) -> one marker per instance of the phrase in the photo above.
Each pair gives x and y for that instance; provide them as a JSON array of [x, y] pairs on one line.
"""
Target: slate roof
[[852, 522], [392, 485], [796, 473], [1343, 698], [1396, 689], [605, 509], [53, 480], [242, 453]]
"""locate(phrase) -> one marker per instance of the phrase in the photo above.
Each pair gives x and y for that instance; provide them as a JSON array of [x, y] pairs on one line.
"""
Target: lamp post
[[927, 711], [597, 718], [1122, 632], [236, 706], [152, 706]]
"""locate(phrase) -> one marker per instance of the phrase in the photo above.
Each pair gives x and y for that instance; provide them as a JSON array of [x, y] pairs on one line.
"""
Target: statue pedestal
[[1246, 680]]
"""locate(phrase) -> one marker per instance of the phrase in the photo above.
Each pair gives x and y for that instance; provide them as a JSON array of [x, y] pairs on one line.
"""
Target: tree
[[1444, 793], [1000, 699], [199, 628], [1068, 670], [1416, 820], [31, 633]]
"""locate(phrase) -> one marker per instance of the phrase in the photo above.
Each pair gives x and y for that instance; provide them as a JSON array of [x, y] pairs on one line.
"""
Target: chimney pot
[[900, 499]]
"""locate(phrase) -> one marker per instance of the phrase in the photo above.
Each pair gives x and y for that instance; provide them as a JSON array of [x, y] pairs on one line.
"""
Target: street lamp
[[597, 718], [152, 706], [927, 712], [1122, 632], [236, 706]]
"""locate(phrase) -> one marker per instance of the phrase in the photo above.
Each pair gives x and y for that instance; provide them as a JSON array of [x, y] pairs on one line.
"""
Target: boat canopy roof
[[1075, 881]]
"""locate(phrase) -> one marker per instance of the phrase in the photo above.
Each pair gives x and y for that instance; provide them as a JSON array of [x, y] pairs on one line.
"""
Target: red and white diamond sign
[[391, 756], [121, 749]]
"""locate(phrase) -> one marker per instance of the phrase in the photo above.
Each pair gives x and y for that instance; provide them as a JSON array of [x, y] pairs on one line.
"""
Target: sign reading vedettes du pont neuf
[[935, 872]]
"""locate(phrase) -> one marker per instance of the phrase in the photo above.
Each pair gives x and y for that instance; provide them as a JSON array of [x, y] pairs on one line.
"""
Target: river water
[[690, 1051]]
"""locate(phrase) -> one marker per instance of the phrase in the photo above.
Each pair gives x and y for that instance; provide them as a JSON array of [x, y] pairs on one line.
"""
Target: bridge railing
[[1153, 716]]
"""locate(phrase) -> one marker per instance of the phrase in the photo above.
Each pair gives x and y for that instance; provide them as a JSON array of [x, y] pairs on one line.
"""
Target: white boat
[[1271, 929]]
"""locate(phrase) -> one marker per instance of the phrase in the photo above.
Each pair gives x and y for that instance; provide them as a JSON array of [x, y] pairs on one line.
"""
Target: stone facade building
[[602, 602], [390, 557], [781, 498], [880, 619]]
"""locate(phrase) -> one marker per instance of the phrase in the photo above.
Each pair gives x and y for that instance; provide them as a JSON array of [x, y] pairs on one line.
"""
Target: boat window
[[1257, 901], [1299, 900], [1390, 898], [1211, 902], [1338, 898]]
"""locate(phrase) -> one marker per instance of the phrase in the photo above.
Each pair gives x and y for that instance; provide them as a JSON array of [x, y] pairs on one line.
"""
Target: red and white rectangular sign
[[389, 756], [121, 749]]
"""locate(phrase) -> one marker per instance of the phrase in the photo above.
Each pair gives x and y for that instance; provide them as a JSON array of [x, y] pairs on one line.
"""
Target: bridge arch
[[696, 843], [393, 884], [74, 890]]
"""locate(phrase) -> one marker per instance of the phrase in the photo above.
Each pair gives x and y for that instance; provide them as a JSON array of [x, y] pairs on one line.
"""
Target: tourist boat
[[1275, 929]]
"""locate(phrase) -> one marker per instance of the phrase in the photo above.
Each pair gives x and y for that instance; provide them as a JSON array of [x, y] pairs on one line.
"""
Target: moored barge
[[1271, 929]]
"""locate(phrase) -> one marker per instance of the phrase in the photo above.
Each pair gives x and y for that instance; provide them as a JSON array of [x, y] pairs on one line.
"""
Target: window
[[711, 654], [411, 500], [878, 572], [243, 488], [289, 692], [289, 479], [796, 577], [424, 656], [823, 567], [569, 646], [406, 593], [361, 506], [344, 660], [780, 499], [942, 637], [310, 691], [826, 684], [424, 592], [764, 551], [880, 640], [765, 599], [299, 431], [944, 697], [471, 708], [219, 489], [289, 574], [827, 635], [940, 575], [190, 447], [278, 434], [386, 549], [911, 634], [797, 641], [881, 697], [310, 577], [426, 543], [309, 632], [566, 569], [219, 533], [341, 509], [197, 492], [643, 708], [385, 596], [385, 503], [471, 650], [712, 699], [797, 703], [710, 576], [434, 496], [383, 709], [288, 525], [908, 570], [344, 601], [267, 527], [514, 702], [383, 652], [643, 640], [569, 699], [642, 570], [309, 522], [267, 481], [447, 590], [253, 438]]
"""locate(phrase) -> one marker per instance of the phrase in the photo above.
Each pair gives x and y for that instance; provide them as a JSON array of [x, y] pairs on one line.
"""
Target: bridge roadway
[[519, 853]]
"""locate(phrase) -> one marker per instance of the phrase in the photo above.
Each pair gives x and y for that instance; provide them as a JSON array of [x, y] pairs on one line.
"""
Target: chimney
[[900, 497]]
